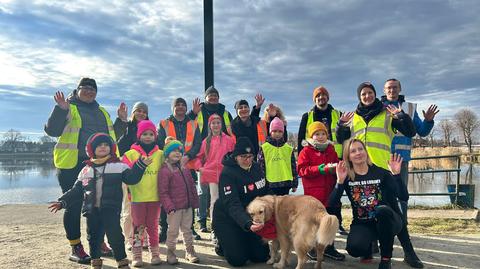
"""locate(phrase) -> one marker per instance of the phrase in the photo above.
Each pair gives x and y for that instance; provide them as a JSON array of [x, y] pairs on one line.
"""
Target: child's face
[[102, 150], [216, 126], [320, 136], [147, 137], [175, 156], [276, 134]]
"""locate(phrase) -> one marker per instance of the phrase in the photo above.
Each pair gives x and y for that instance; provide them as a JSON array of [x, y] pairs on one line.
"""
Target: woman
[[373, 193], [272, 111], [374, 124], [240, 182], [139, 113]]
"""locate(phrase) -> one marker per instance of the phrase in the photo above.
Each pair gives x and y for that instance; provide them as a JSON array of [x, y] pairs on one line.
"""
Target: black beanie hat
[[241, 102], [243, 146], [365, 85], [87, 82], [95, 140], [178, 100], [210, 90]]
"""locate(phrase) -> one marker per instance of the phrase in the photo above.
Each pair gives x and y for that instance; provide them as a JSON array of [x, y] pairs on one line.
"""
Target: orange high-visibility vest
[[169, 128], [262, 132]]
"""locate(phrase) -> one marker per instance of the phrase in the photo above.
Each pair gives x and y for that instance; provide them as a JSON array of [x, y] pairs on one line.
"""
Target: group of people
[[206, 159]]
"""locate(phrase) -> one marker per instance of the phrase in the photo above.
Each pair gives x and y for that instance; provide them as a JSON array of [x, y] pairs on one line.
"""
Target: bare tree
[[467, 121], [448, 128], [12, 139], [431, 136]]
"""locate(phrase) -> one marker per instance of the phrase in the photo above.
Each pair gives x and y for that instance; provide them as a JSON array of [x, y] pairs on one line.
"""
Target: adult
[[129, 136], [373, 193], [202, 112], [272, 111], [250, 125], [74, 119], [241, 181], [374, 124], [185, 130], [324, 113], [402, 145]]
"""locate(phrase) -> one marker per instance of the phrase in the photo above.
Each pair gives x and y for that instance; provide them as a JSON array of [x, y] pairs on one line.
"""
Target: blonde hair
[[346, 156], [279, 114]]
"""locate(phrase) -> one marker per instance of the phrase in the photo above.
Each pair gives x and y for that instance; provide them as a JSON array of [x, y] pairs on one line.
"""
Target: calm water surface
[[35, 182]]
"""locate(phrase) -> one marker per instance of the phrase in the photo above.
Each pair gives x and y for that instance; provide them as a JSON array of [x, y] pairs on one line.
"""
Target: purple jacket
[[176, 189]]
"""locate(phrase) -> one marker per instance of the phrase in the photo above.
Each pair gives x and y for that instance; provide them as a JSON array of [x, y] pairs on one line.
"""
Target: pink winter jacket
[[211, 166]]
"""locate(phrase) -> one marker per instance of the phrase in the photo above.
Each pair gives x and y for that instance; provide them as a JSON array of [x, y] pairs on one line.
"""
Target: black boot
[[385, 264], [412, 259], [79, 255], [332, 253], [196, 236], [312, 254], [203, 226]]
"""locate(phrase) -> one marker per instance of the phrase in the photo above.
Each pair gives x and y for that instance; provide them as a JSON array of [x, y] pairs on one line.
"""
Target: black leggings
[[387, 224], [238, 245], [102, 221], [71, 216]]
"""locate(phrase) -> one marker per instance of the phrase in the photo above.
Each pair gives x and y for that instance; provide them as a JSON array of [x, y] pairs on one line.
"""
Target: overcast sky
[[153, 51]]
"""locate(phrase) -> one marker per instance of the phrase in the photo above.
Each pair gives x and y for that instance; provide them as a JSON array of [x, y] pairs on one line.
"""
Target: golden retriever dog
[[301, 221]]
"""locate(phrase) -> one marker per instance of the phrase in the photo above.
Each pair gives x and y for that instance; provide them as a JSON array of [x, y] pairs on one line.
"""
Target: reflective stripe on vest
[[65, 153], [278, 164], [226, 120], [411, 108], [335, 116], [262, 132], [377, 136], [170, 131], [147, 189]]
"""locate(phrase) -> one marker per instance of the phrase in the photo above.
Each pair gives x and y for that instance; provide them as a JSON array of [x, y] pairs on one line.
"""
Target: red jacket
[[317, 181]]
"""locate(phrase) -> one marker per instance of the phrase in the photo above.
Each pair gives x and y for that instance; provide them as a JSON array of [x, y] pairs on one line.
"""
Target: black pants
[[404, 235], [238, 245], [107, 221], [281, 190], [388, 224], [337, 212], [71, 216]]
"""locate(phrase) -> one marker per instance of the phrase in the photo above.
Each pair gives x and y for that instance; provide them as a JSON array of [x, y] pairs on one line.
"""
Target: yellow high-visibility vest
[[226, 119], [278, 162], [65, 153], [335, 116], [377, 136]]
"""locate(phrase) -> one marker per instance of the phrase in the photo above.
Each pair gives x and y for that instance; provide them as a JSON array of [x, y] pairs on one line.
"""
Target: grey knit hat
[[210, 90], [140, 105], [179, 100]]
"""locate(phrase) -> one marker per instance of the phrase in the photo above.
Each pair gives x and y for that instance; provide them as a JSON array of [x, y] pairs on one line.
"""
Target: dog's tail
[[327, 229]]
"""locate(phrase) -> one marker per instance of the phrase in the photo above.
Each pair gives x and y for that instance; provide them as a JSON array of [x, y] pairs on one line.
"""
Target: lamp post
[[208, 42]]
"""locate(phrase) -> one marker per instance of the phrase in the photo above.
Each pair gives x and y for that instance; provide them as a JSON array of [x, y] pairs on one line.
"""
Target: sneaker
[[412, 259], [192, 257], [342, 230], [332, 253], [79, 255], [385, 264], [312, 254], [106, 250], [96, 264], [196, 236], [219, 250], [203, 226]]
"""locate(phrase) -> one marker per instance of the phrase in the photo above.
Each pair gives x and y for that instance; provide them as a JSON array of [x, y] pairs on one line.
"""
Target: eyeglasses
[[245, 156], [87, 88]]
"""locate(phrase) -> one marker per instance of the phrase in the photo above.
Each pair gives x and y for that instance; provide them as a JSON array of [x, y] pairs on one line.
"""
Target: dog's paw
[[278, 265]]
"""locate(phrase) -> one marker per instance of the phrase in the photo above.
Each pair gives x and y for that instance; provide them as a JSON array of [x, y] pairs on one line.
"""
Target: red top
[[268, 231]]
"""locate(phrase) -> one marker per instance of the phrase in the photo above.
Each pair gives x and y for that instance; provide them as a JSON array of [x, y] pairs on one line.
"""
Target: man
[[403, 145], [201, 112], [325, 113], [185, 130], [74, 120]]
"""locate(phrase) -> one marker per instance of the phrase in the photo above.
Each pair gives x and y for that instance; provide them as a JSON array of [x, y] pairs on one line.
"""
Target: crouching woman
[[373, 193], [240, 182]]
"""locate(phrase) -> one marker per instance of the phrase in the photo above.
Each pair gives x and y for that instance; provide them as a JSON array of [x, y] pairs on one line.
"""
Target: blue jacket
[[401, 144]]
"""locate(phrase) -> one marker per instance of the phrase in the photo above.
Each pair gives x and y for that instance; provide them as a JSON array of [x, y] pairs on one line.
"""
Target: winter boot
[[123, 264], [96, 263], [312, 254], [106, 250], [171, 257], [203, 226], [385, 263], [191, 255], [137, 256], [412, 259], [332, 253], [79, 255], [155, 251]]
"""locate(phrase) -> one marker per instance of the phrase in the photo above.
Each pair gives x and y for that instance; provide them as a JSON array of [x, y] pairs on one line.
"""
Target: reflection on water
[[34, 181]]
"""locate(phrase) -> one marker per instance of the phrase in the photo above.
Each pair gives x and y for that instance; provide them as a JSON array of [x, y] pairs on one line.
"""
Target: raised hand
[[294, 189], [122, 111], [55, 206], [196, 106], [395, 163], [394, 110], [147, 160], [341, 170], [431, 112], [259, 100], [346, 117], [59, 98]]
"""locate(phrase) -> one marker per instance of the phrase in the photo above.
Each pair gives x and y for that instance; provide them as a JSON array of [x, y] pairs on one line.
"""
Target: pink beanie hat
[[277, 125], [145, 125]]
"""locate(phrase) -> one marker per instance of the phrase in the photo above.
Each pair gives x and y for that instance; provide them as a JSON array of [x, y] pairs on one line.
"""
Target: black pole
[[208, 41]]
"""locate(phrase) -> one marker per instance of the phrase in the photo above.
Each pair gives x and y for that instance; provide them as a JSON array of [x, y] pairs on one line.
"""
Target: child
[[100, 185], [209, 159], [178, 195], [277, 160], [316, 166], [145, 201], [271, 112]]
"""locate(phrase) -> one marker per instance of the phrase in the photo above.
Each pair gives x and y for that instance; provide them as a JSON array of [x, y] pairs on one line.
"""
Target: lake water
[[35, 182]]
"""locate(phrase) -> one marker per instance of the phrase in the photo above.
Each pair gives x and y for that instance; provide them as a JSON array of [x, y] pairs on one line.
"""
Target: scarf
[[369, 112], [100, 161], [318, 145]]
